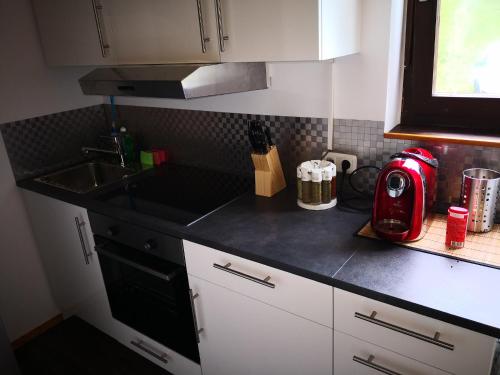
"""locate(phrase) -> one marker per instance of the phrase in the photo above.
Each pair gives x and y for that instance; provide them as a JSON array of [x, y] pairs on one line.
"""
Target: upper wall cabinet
[[111, 32], [72, 32], [287, 30], [161, 31]]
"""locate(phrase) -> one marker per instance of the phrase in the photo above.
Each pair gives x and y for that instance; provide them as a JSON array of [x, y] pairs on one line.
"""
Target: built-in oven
[[146, 282]]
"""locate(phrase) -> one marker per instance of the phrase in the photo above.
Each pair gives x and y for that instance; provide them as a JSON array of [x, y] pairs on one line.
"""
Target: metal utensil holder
[[480, 191]]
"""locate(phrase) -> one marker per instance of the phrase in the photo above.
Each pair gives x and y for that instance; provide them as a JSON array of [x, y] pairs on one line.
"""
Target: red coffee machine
[[405, 193]]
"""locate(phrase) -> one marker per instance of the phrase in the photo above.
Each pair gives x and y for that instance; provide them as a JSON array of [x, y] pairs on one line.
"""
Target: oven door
[[150, 295]]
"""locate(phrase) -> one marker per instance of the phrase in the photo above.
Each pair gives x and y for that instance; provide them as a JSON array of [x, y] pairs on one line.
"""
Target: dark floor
[[76, 348]]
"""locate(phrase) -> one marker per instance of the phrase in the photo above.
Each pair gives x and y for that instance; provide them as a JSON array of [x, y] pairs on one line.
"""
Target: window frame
[[419, 108]]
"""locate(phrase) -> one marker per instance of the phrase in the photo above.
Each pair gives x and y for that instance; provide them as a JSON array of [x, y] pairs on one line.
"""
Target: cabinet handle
[[264, 282], [79, 224], [204, 39], [140, 345], [100, 27], [195, 320], [220, 26], [369, 363], [432, 340]]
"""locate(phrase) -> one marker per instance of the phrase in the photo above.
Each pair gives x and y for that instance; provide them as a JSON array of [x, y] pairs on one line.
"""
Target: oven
[[146, 282]]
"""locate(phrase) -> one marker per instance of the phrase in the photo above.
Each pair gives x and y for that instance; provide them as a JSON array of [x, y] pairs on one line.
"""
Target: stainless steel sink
[[86, 177]]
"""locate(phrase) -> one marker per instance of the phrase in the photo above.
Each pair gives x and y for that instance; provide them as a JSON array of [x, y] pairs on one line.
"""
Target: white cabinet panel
[[267, 30], [471, 352], [289, 30], [298, 295], [247, 337], [75, 278], [160, 31], [354, 357], [69, 33]]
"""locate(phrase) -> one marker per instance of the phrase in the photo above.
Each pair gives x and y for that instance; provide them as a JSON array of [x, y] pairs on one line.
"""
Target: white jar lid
[[306, 175], [316, 175], [327, 174]]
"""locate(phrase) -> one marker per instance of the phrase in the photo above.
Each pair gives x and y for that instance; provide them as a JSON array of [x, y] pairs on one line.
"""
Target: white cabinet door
[[70, 262], [72, 32], [270, 30], [247, 337], [288, 30], [161, 31]]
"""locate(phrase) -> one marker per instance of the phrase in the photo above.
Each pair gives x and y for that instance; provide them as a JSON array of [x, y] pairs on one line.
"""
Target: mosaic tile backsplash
[[366, 140], [213, 140], [41, 144], [219, 140]]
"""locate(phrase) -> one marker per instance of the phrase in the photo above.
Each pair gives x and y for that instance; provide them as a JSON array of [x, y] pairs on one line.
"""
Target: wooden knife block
[[269, 177]]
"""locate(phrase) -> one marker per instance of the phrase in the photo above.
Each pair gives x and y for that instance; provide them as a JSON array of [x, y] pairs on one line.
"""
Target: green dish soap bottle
[[128, 145]]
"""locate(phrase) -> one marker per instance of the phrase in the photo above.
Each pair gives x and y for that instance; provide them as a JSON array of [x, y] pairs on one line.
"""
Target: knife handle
[[268, 136]]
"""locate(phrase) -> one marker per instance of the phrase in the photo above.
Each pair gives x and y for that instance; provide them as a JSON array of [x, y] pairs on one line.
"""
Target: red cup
[[456, 227], [160, 156]]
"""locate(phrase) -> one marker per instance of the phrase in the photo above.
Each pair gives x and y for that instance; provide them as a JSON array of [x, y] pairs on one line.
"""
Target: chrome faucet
[[117, 148]]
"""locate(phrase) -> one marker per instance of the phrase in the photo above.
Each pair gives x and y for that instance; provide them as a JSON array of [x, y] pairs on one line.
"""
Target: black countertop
[[321, 245]]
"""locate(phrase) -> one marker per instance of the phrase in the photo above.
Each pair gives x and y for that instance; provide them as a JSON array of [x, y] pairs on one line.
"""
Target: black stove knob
[[150, 244], [112, 231]]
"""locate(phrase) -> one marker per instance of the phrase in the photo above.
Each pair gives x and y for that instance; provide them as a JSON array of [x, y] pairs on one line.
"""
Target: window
[[452, 59]]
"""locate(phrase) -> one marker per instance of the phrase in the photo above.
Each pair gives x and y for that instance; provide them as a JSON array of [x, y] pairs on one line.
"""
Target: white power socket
[[339, 158]]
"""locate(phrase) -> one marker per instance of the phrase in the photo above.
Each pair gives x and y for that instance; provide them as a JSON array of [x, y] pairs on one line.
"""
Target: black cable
[[354, 174], [366, 197]]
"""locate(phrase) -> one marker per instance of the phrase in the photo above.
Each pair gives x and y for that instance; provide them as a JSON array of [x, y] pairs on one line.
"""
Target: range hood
[[183, 81]]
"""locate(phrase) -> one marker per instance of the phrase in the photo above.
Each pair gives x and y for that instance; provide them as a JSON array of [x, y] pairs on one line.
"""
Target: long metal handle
[[100, 27], [79, 225], [220, 26], [140, 345], [369, 363], [432, 340], [264, 282], [204, 39], [197, 330]]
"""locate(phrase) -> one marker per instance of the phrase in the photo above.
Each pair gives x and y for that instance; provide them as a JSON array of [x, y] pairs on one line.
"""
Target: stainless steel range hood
[[183, 81]]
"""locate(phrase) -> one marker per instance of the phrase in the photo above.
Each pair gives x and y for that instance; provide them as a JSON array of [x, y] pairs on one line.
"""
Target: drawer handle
[[264, 282], [369, 363], [140, 345], [432, 340]]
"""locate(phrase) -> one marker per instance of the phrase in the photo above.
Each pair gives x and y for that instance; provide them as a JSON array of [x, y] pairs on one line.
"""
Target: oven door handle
[[167, 277]]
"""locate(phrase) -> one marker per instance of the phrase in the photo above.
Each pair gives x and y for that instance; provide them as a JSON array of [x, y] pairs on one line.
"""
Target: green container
[[147, 158]]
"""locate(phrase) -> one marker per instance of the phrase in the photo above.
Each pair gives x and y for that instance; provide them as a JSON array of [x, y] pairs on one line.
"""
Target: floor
[[74, 347]]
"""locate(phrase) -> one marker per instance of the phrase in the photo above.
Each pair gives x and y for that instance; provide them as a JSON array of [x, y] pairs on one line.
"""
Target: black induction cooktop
[[181, 194]]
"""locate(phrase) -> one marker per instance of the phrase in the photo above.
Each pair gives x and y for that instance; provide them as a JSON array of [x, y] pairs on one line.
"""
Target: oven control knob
[[150, 245], [112, 231]]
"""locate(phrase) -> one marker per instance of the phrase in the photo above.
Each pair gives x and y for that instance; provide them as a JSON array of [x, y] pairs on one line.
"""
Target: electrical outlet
[[339, 158]]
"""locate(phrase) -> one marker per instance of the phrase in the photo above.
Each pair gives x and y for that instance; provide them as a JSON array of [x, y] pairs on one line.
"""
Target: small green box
[[147, 158]]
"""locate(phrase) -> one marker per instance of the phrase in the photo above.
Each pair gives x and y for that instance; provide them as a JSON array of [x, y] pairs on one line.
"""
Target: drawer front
[[295, 294], [456, 349], [156, 353], [356, 357]]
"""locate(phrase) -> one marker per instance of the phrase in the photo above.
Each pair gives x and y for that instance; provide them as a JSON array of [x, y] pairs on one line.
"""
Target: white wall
[[297, 89], [27, 89], [360, 81]]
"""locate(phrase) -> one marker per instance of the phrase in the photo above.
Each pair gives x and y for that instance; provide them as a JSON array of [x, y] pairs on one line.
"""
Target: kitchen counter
[[321, 245]]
